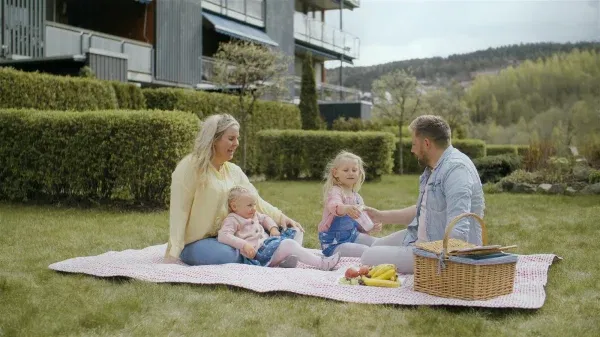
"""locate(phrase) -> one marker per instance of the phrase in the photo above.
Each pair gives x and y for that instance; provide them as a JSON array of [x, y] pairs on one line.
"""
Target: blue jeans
[[343, 229], [209, 251]]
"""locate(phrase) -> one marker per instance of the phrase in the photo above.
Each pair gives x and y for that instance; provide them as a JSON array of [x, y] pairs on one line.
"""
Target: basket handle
[[455, 221]]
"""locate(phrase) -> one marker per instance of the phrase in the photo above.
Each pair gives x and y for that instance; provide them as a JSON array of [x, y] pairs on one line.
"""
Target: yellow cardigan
[[196, 213]]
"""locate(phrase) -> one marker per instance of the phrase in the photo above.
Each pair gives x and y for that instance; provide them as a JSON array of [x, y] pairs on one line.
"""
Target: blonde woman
[[199, 190]]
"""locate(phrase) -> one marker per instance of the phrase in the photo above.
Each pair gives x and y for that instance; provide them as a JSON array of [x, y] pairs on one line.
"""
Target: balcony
[[317, 33], [250, 11], [326, 92], [64, 40], [329, 92], [334, 4]]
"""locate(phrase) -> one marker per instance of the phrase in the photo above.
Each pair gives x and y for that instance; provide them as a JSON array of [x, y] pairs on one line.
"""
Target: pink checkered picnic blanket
[[146, 265]]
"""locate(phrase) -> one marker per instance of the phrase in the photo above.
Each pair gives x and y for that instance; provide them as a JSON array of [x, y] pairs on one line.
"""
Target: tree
[[309, 108], [447, 103], [250, 71], [397, 96]]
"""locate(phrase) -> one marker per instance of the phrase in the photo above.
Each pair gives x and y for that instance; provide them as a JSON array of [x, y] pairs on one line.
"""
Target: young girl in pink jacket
[[246, 230], [345, 226]]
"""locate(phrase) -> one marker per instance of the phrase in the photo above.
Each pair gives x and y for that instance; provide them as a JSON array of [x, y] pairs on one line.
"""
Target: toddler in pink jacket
[[246, 229]]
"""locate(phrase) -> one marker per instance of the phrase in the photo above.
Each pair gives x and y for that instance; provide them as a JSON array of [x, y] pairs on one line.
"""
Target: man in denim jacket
[[448, 187]]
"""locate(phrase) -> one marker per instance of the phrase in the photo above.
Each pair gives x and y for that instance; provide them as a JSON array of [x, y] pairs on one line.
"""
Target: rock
[[506, 185], [551, 189], [578, 186], [581, 172], [557, 189], [570, 191], [574, 151], [545, 187], [523, 188], [591, 189]]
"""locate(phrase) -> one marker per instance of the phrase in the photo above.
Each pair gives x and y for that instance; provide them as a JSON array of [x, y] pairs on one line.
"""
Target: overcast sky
[[392, 30]]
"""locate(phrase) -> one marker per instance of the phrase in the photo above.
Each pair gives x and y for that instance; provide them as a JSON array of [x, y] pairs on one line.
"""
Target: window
[[255, 8], [236, 5]]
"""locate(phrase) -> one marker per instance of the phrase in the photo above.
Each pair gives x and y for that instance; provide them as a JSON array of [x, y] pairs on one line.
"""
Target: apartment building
[[170, 42]]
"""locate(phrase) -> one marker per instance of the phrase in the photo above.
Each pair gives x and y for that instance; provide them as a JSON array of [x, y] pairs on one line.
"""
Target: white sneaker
[[328, 263]]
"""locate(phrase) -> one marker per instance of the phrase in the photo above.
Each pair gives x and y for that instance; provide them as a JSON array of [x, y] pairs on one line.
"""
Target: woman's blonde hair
[[212, 130], [235, 192], [331, 181]]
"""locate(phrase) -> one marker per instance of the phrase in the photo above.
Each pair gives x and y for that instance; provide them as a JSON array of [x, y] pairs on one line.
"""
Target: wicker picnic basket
[[439, 273]]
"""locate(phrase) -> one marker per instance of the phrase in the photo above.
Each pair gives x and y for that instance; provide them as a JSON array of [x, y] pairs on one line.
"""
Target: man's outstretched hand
[[374, 214]]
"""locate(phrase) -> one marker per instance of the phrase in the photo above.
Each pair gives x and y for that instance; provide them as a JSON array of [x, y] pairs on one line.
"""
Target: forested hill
[[456, 67]]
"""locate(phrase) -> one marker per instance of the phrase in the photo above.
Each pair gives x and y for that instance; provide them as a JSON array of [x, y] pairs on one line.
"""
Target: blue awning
[[329, 56], [238, 30]]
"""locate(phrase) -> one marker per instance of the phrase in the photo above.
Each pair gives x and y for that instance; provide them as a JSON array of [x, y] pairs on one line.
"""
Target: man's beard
[[423, 161]]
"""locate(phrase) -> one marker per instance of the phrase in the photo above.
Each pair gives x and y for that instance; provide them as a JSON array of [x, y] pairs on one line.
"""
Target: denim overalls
[[343, 229]]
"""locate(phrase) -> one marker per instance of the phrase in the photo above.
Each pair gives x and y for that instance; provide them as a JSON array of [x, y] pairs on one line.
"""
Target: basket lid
[[437, 246]]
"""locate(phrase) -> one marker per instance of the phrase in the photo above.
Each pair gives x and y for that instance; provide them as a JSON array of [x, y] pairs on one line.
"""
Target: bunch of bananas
[[383, 275]]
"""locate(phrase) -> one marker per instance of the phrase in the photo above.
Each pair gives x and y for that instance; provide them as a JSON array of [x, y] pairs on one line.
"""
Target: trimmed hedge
[[267, 114], [495, 149], [129, 96], [48, 92], [522, 150], [474, 148], [96, 156], [493, 168], [289, 154]]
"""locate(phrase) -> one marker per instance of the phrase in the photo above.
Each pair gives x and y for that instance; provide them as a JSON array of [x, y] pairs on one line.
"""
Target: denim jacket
[[454, 188]]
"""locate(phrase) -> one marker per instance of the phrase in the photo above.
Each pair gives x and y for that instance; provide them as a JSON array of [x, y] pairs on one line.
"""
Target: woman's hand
[[287, 223], [248, 251], [274, 232]]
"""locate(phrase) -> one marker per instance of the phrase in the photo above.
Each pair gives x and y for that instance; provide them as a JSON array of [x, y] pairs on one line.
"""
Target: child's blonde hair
[[234, 193], [331, 181]]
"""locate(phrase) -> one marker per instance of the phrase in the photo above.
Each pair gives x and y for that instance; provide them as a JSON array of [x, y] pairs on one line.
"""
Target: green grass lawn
[[35, 301]]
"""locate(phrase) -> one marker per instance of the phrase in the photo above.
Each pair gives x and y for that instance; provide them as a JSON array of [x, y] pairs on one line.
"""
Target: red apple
[[351, 273], [364, 270]]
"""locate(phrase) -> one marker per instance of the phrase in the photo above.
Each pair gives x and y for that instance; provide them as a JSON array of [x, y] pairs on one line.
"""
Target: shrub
[[493, 168], [97, 156], [536, 157], [522, 150], [521, 177], [411, 165], [594, 177], [494, 149], [129, 96], [357, 124], [267, 114], [591, 150], [288, 154], [474, 148], [558, 170], [309, 108], [48, 92]]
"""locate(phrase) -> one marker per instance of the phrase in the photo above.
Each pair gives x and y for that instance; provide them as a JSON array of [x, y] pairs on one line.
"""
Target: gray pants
[[389, 249]]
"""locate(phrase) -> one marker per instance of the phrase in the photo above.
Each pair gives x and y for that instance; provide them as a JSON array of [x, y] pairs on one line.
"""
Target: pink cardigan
[[336, 198], [236, 231]]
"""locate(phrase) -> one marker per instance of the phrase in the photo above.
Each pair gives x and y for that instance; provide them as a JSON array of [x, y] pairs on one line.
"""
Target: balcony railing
[[356, 3], [68, 40], [317, 33], [326, 92], [329, 92], [251, 11]]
